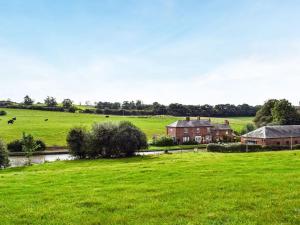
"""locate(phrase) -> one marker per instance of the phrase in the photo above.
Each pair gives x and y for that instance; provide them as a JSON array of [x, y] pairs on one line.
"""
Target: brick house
[[273, 136], [201, 131]]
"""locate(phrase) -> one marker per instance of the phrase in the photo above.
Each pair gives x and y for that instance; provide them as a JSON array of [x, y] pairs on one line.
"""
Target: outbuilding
[[286, 135]]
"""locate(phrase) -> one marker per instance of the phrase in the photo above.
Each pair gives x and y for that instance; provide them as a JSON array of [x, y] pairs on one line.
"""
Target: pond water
[[39, 159]]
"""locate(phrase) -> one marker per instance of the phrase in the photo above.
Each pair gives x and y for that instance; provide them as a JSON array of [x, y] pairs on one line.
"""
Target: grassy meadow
[[54, 131], [187, 188]]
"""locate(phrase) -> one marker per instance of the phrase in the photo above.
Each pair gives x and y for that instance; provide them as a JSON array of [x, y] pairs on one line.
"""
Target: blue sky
[[192, 52]]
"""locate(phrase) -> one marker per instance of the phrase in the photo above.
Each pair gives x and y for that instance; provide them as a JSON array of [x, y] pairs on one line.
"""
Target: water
[[39, 159]]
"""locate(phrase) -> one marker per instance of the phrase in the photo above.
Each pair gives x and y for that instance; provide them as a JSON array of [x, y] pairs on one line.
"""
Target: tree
[[28, 100], [77, 142], [4, 161], [67, 103], [264, 115], [248, 128], [50, 101], [29, 146], [284, 113]]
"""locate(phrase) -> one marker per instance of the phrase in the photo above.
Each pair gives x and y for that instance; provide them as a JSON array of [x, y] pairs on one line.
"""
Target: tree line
[[139, 108]]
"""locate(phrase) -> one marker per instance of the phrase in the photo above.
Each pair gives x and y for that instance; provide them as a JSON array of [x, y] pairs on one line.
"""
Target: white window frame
[[185, 139], [198, 139]]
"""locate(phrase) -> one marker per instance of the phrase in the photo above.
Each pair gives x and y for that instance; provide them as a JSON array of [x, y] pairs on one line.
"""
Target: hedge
[[230, 148]]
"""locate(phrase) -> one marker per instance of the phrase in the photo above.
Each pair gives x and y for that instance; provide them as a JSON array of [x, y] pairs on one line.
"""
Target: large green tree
[[280, 112], [284, 113]]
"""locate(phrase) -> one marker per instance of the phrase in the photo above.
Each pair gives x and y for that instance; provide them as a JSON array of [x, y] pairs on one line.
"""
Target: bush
[[3, 113], [15, 146], [4, 161], [72, 109], [227, 148], [106, 140], [163, 141], [190, 143], [41, 145], [77, 140]]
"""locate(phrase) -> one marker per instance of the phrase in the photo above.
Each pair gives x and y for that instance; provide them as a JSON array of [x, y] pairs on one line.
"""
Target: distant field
[[54, 131], [188, 188]]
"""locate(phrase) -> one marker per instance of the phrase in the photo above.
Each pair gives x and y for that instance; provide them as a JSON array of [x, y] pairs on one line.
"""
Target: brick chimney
[[226, 122], [187, 118]]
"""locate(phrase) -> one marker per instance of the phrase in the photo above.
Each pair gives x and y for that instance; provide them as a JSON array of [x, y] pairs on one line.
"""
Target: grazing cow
[[15, 118], [107, 116], [46, 120], [10, 122]]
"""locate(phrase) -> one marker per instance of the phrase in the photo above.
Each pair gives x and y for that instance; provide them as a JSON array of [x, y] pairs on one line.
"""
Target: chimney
[[187, 118], [198, 118], [226, 122]]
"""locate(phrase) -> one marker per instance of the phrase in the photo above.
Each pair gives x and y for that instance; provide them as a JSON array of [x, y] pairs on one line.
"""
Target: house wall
[[204, 132], [272, 141]]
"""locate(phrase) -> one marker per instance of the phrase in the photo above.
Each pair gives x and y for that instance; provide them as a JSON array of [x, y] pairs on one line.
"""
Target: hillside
[[188, 188], [54, 131]]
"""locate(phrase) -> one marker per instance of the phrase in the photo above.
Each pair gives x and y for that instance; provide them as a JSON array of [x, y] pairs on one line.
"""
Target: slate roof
[[221, 126], [191, 123], [286, 131]]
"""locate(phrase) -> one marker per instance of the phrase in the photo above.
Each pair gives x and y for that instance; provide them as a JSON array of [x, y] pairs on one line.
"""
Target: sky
[[189, 52]]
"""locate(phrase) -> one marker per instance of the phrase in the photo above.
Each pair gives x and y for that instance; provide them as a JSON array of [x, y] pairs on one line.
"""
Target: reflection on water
[[38, 159]]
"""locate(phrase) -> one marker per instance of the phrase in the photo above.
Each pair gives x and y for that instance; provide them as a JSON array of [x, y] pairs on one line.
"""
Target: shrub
[[191, 142], [128, 140], [227, 148], [4, 161], [77, 140], [72, 109], [163, 141], [106, 140], [3, 113], [15, 146], [41, 145]]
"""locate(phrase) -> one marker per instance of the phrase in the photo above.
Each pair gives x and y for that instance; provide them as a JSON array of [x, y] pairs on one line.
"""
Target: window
[[287, 142], [278, 143], [171, 129], [296, 142], [186, 130], [198, 130], [208, 130], [227, 132], [198, 139], [186, 139]]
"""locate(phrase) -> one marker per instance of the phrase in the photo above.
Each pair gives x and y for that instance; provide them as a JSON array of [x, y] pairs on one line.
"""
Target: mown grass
[[188, 188], [54, 131]]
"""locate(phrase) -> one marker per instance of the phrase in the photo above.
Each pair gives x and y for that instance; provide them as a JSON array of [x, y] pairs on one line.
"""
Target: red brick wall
[[273, 141], [193, 132]]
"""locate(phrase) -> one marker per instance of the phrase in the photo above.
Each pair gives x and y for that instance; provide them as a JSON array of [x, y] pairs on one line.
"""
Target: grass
[[188, 188], [54, 131]]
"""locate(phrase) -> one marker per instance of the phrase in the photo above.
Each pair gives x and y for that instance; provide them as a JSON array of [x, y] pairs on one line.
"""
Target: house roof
[[191, 123], [286, 131], [218, 126]]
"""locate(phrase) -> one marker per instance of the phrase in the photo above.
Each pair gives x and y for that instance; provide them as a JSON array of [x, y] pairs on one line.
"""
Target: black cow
[[10, 122], [107, 116], [46, 120], [15, 118]]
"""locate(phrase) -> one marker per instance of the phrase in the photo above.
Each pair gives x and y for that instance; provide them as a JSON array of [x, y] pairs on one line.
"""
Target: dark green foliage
[[77, 141], [4, 161], [28, 100], [29, 146], [248, 128], [163, 141], [72, 109], [17, 146], [67, 103], [41, 145], [3, 113], [50, 101], [106, 140], [191, 142], [279, 112], [230, 148]]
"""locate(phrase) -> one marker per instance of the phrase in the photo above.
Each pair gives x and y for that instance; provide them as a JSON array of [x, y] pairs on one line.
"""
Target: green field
[[188, 188], [54, 131]]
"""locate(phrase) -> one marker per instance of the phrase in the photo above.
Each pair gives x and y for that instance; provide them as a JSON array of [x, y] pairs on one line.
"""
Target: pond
[[39, 159]]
